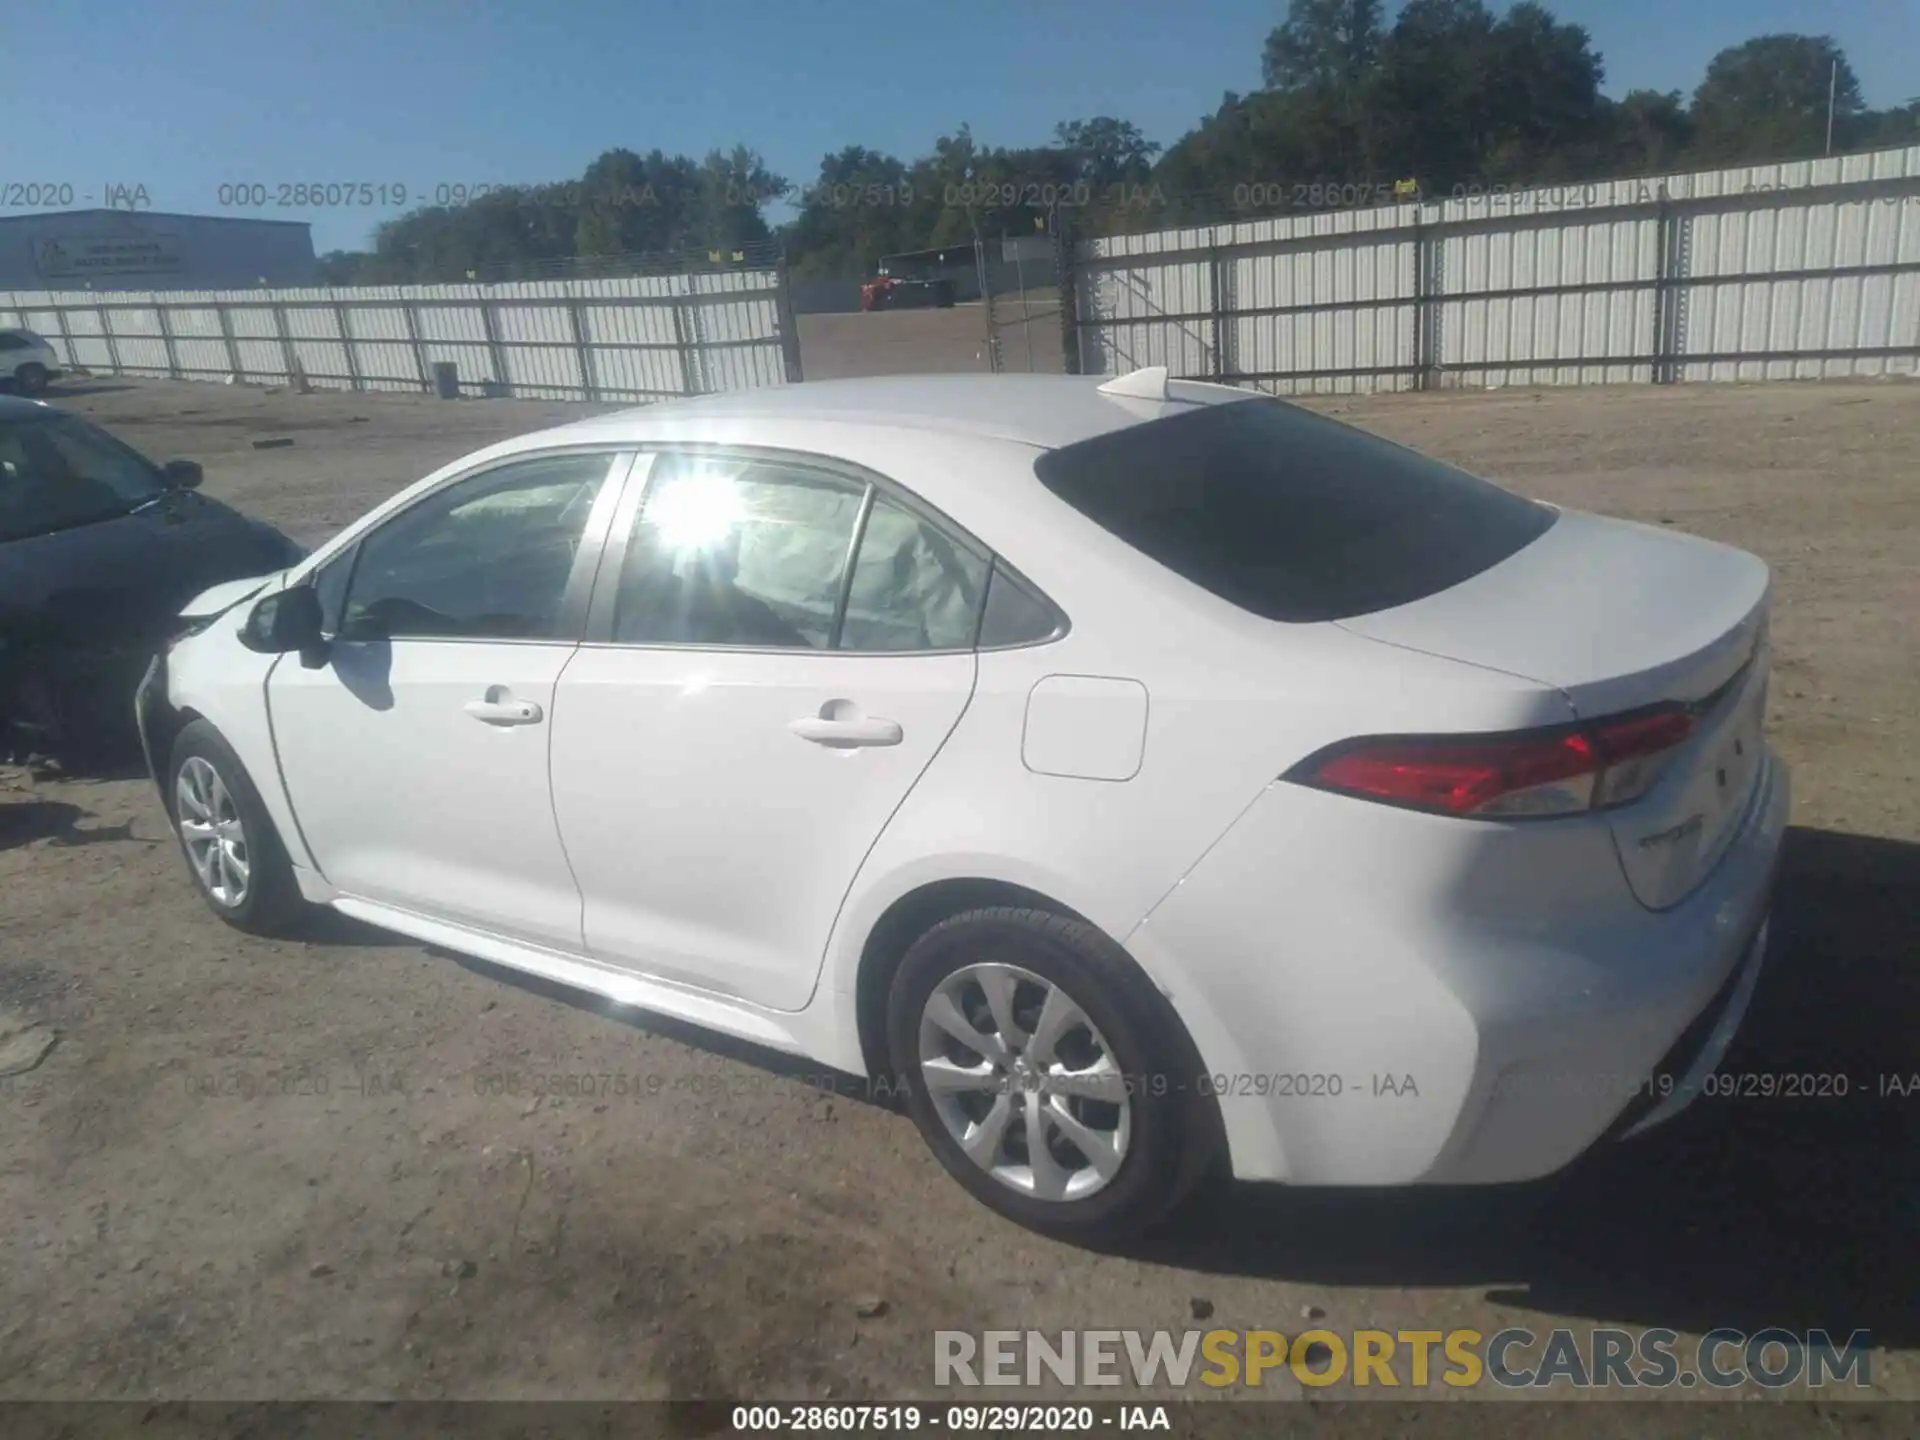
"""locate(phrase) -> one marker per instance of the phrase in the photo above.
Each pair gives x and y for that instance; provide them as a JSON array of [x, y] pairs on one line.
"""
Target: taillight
[[1532, 773]]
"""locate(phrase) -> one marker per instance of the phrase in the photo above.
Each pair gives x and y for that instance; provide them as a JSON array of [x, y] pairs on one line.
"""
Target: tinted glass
[[485, 559], [56, 471], [914, 587], [330, 587], [14, 340], [1291, 515], [737, 552], [1014, 615]]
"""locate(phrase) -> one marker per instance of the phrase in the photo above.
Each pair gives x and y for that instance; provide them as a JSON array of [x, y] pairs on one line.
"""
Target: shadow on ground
[[24, 821], [73, 392], [1744, 1212], [797, 1068]]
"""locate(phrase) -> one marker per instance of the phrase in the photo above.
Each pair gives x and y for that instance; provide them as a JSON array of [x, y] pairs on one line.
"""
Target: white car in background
[[1146, 772], [28, 361]]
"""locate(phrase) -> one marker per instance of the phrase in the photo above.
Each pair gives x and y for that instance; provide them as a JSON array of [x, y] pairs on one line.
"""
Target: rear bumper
[[1381, 1002], [1678, 1080]]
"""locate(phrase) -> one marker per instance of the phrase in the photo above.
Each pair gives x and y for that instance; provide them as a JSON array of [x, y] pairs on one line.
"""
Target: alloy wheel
[[210, 827], [1024, 1082]]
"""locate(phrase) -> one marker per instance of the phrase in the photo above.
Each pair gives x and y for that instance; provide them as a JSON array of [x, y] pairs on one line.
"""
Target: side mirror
[[183, 474], [285, 621]]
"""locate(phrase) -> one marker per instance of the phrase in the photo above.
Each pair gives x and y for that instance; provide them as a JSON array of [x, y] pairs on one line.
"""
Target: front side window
[[329, 584], [487, 558], [57, 471]]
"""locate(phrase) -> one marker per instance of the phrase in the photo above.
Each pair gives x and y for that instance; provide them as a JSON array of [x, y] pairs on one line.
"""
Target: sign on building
[[80, 257]]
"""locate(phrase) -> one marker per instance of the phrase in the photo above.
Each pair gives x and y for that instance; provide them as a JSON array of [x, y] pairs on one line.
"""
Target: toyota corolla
[[1143, 774]]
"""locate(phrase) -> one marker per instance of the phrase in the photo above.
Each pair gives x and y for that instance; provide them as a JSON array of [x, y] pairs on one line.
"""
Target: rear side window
[[913, 588], [1288, 514]]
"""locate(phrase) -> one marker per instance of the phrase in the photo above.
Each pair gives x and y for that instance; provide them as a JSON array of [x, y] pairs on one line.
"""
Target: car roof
[[13, 407], [1044, 411]]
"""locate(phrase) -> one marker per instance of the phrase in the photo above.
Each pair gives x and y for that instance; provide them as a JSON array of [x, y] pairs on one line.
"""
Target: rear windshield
[[1289, 514]]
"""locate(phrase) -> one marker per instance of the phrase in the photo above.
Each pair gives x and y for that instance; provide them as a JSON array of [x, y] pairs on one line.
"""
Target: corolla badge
[[1673, 833]]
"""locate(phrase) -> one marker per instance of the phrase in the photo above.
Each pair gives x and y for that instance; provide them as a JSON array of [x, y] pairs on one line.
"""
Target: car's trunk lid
[[1618, 617]]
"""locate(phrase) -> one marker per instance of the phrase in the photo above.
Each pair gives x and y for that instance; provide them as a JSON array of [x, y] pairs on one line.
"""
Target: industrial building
[[152, 250]]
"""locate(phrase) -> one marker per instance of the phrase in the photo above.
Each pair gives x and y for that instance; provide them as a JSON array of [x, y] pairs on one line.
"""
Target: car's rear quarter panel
[[1231, 702]]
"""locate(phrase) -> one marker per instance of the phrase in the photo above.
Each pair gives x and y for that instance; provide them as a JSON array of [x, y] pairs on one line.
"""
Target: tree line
[[1449, 98]]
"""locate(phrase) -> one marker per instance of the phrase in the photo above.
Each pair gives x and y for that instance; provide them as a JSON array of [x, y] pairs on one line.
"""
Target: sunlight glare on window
[[696, 511]]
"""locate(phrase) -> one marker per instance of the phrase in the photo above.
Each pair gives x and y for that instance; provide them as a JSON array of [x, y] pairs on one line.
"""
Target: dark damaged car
[[99, 550]]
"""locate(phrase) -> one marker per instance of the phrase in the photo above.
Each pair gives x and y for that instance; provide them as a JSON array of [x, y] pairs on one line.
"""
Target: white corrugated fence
[[1807, 270], [633, 338]]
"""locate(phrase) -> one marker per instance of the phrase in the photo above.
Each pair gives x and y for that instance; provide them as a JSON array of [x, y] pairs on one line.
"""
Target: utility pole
[[1833, 85]]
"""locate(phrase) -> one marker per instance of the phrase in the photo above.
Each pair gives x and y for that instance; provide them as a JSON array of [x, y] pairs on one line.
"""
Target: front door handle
[[504, 712], [846, 733]]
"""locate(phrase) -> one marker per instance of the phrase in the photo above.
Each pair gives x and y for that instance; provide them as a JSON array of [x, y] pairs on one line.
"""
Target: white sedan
[[1141, 774]]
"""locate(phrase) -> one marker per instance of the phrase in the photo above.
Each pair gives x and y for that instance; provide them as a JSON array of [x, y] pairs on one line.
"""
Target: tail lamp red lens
[[1529, 773]]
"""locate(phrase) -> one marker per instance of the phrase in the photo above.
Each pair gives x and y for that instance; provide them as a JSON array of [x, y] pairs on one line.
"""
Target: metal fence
[[640, 338], [1805, 270]]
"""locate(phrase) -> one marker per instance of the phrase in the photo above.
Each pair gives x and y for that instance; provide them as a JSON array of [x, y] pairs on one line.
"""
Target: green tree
[[861, 206], [1767, 99], [1326, 45], [1106, 152], [1430, 102], [1323, 62], [1880, 129], [1648, 133]]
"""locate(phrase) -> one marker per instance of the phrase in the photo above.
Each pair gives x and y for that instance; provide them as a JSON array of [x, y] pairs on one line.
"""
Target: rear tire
[[1067, 1036], [32, 378], [232, 850]]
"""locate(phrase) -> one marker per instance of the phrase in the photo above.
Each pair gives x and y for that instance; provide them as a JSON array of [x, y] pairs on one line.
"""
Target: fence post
[[66, 336], [346, 344], [1217, 285], [583, 354], [1661, 372], [286, 337], [1422, 321], [166, 339], [683, 340], [787, 322], [986, 294], [113, 350], [1065, 271], [496, 353], [409, 315], [1020, 279], [226, 334]]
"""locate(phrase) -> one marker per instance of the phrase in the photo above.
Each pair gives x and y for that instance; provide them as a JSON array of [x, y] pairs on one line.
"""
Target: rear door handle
[[504, 712], [846, 734]]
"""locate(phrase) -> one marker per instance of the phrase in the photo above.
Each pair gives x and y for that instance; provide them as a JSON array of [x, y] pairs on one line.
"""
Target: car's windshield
[[57, 471]]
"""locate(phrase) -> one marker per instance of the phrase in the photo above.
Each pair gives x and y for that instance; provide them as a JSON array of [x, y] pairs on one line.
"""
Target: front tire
[[1004, 1024], [232, 850], [32, 378]]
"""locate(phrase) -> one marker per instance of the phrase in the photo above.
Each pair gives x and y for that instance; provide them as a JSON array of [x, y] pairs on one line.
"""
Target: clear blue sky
[[182, 97]]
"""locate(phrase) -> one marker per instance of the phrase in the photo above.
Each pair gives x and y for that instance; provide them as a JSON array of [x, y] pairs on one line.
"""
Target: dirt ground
[[257, 1170], [893, 342]]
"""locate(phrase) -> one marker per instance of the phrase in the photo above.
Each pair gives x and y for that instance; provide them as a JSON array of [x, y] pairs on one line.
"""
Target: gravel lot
[[893, 342], [255, 1170]]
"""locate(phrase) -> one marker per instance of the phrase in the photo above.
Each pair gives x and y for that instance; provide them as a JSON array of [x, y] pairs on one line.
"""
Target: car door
[[415, 755], [778, 648]]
